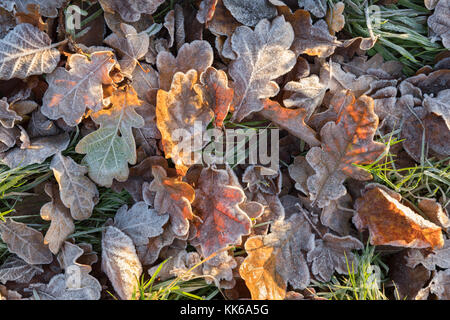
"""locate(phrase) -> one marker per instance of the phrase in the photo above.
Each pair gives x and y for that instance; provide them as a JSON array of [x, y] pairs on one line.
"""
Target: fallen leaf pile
[[101, 109]]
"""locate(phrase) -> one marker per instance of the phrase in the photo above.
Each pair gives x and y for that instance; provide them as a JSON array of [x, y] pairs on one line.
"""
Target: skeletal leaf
[[317, 7], [437, 258], [140, 222], [178, 112], [71, 92], [345, 142], [391, 223], [173, 197], [292, 120], [262, 55], [206, 10], [39, 150], [314, 40], [132, 46], [120, 262], [110, 148], [250, 12], [439, 23], [26, 51], [439, 105], [333, 253], [16, 269], [77, 192], [26, 242], [131, 10], [218, 96], [197, 55], [7, 116], [278, 258], [217, 204], [61, 225]]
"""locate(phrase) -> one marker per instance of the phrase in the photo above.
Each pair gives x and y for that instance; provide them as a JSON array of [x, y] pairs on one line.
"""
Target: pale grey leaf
[[17, 270]]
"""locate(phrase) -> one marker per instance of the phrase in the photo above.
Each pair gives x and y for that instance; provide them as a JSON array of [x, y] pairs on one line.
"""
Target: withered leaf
[[250, 12], [70, 254], [335, 19], [110, 148], [6, 294], [47, 8], [300, 171], [345, 142], [140, 222], [131, 10], [26, 51], [217, 204], [217, 95], [392, 223], [71, 92], [39, 150], [120, 262], [439, 22], [26, 242], [173, 197], [440, 284], [146, 82], [434, 212], [333, 253], [316, 7], [197, 55], [439, 105], [77, 192], [206, 10], [131, 45], [15, 269], [182, 108], [437, 258], [7, 116], [262, 55], [61, 225], [278, 258]]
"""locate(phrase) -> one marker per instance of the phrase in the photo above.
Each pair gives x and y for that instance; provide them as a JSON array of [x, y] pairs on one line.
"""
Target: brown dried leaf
[[77, 192], [26, 51], [71, 92], [197, 55], [437, 258], [47, 8], [332, 253], [181, 108], [26, 242], [131, 10], [392, 223], [261, 179], [110, 148], [250, 12], [132, 46], [206, 10], [32, 17], [61, 225], [173, 197], [120, 262], [7, 116], [335, 19], [439, 105], [434, 212], [317, 7], [345, 142], [439, 22]]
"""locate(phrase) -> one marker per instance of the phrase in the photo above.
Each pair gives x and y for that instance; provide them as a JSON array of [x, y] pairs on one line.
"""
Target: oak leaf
[[61, 225], [206, 10], [131, 10], [77, 192], [25, 242], [47, 8], [335, 19], [437, 258], [26, 51], [71, 92], [439, 23], [317, 7], [7, 116], [262, 55], [392, 223], [120, 262], [345, 142], [439, 105], [17, 270], [110, 148], [250, 12]]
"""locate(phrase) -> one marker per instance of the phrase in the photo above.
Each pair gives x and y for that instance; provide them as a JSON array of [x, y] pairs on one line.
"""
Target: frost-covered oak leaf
[[262, 55], [131, 10], [71, 92], [250, 12], [110, 148]]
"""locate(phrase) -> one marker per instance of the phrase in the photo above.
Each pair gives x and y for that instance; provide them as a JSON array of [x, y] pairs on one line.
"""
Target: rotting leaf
[[250, 12], [346, 142], [140, 222], [77, 192], [120, 262], [61, 225], [262, 55], [110, 148], [26, 51], [392, 223], [71, 92], [26, 242]]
